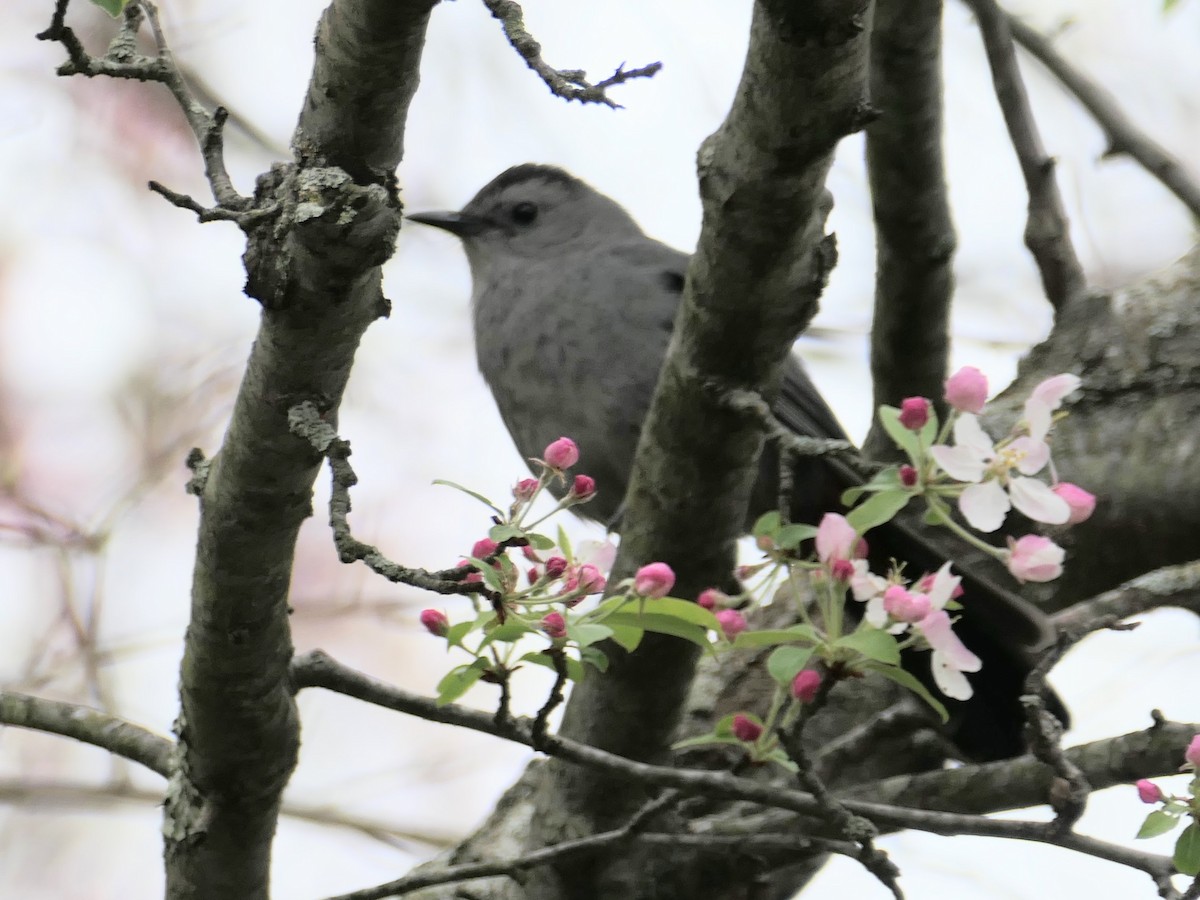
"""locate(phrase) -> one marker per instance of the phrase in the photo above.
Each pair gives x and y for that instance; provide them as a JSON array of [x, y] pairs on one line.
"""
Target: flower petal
[[936, 629], [970, 434], [1030, 456], [943, 587], [984, 506], [949, 680], [836, 538], [1036, 500], [960, 463]]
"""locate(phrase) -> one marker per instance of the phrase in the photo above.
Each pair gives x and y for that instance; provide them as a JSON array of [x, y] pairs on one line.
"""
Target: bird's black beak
[[454, 222]]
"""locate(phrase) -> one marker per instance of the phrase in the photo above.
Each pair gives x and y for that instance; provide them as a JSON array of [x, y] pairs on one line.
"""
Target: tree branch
[[1169, 586], [1122, 135], [91, 726], [1046, 231]]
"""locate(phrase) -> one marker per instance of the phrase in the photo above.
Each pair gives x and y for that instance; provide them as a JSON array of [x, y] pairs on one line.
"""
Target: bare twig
[[306, 422], [90, 726], [122, 60], [1122, 135], [514, 867], [1046, 230], [556, 697], [570, 84]]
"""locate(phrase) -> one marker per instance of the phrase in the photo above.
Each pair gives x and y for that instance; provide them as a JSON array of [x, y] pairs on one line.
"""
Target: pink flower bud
[[732, 622], [905, 606], [654, 580], [805, 685], [711, 598], [583, 488], [590, 579], [435, 622], [471, 577], [967, 390], [841, 569], [1035, 558], [914, 413], [525, 488], [746, 729], [1081, 503], [533, 574], [561, 454], [554, 625], [1192, 754], [908, 476], [1149, 792], [484, 547], [555, 566]]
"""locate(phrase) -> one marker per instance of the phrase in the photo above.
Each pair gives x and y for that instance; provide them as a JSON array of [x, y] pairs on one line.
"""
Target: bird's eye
[[524, 213]]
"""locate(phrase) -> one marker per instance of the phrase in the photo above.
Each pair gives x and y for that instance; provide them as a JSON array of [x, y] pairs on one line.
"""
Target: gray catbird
[[573, 308]]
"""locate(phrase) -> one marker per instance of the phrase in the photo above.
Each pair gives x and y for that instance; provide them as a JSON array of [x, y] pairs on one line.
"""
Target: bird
[[573, 307]]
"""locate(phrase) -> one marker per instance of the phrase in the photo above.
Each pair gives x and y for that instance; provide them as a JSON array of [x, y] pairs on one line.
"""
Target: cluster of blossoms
[[989, 479], [1173, 809]]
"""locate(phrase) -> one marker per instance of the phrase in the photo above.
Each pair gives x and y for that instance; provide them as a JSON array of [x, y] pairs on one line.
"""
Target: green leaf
[[1169, 5], [769, 637], [785, 663], [113, 7], [792, 536], [661, 625], [456, 632], [504, 531], [564, 543], [574, 667], [1158, 822], [768, 524], [490, 574], [628, 636], [873, 643], [458, 680], [539, 541], [889, 418], [594, 657], [685, 610], [587, 633], [885, 480], [704, 740], [877, 510], [458, 487], [905, 680], [512, 630], [1187, 851]]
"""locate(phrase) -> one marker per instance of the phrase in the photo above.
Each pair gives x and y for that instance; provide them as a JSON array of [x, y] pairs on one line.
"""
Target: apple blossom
[[435, 621], [967, 390], [908, 476], [805, 685], [711, 598], [836, 539], [1149, 792], [732, 623], [484, 547], [746, 729], [561, 454], [906, 606], [654, 580], [950, 656], [1192, 755], [914, 413], [1044, 400], [525, 488], [583, 488], [1080, 502], [554, 625], [1035, 558]]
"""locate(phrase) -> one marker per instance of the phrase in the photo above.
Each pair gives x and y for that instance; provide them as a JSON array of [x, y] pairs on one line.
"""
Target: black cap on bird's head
[[534, 210]]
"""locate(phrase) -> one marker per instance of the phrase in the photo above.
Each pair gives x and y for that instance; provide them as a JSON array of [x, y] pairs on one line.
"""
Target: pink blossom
[[525, 488], [561, 454], [583, 487], [654, 580], [1035, 558], [746, 729], [484, 547], [554, 625], [836, 539], [950, 656], [906, 606], [555, 566], [842, 570], [711, 598], [435, 621], [1044, 400], [732, 623], [908, 476], [1192, 754], [1081, 503], [985, 501], [914, 413], [967, 390], [589, 579], [1149, 792], [533, 574], [805, 685]]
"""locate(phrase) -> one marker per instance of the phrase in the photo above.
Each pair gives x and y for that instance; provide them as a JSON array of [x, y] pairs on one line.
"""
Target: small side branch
[[305, 422], [570, 84], [1168, 586], [1046, 230], [1123, 136], [91, 726]]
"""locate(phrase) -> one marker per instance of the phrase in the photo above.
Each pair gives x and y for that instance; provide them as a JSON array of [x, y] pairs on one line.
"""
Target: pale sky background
[[122, 324]]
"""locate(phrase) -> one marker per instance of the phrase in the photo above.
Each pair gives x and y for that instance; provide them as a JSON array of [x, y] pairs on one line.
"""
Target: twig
[[91, 726], [1122, 135], [305, 422], [1046, 230], [570, 84], [1168, 586], [556, 697], [122, 60], [515, 866]]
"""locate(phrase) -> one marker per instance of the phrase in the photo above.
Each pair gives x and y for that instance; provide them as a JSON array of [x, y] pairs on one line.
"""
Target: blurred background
[[123, 328]]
